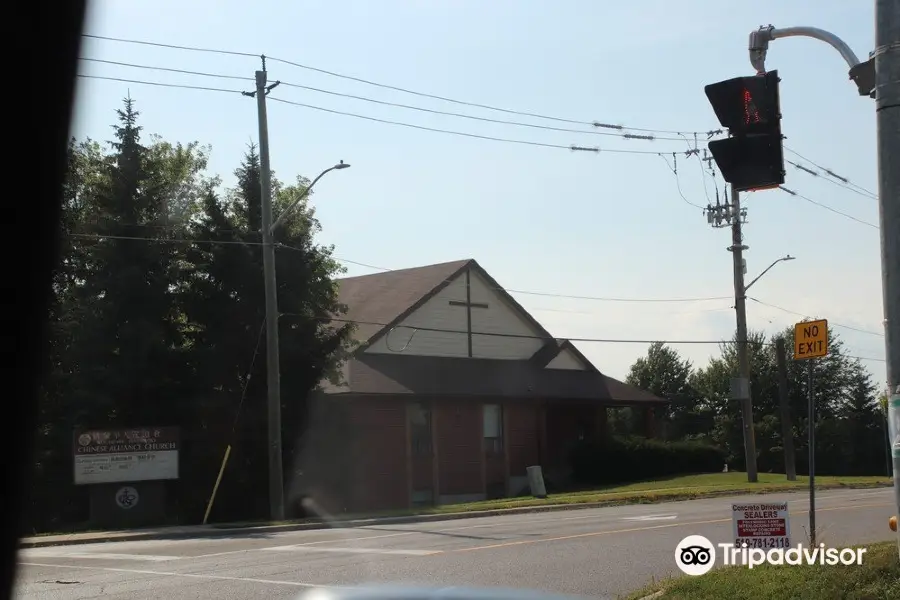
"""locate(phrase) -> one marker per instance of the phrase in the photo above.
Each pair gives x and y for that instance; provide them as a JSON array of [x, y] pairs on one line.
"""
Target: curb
[[212, 531]]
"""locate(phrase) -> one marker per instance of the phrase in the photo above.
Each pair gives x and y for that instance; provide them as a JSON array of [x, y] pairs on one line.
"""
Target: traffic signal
[[752, 157]]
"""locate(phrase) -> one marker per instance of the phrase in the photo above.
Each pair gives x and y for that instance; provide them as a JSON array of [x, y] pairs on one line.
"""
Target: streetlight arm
[[862, 73], [759, 43], [297, 200], [766, 270]]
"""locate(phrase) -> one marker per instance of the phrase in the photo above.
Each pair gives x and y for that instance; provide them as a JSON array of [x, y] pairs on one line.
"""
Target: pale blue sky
[[540, 219]]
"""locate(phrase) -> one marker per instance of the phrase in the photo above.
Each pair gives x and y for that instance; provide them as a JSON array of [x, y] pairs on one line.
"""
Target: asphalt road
[[598, 553]]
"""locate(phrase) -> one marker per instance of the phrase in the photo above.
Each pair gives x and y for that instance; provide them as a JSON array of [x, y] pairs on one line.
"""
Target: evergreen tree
[[224, 302], [130, 338]]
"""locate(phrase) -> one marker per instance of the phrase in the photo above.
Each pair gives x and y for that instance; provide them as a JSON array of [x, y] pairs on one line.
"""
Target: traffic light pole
[[742, 389], [879, 78], [887, 109]]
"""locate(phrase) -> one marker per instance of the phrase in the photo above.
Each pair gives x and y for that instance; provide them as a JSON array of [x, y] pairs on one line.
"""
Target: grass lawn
[[878, 577], [676, 488]]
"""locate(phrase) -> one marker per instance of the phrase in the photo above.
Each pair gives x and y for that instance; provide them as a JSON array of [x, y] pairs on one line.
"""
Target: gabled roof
[[379, 302], [391, 296], [385, 297]]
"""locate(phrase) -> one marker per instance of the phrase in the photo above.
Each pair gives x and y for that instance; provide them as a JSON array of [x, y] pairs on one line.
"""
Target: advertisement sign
[[761, 525], [122, 455]]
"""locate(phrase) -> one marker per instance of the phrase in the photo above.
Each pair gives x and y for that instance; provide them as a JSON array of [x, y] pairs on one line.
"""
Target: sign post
[[811, 342]]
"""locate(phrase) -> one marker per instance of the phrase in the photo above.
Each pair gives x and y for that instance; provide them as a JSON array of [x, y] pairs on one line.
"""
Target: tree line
[[850, 421], [157, 318]]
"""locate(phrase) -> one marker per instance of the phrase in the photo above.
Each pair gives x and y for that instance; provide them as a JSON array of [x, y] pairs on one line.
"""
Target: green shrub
[[624, 459]]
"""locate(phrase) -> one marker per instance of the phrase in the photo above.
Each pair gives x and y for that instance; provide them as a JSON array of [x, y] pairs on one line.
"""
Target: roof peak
[[454, 263]]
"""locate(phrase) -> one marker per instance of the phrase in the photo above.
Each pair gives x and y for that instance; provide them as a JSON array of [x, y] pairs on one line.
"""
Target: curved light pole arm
[[297, 200], [766, 270], [863, 73]]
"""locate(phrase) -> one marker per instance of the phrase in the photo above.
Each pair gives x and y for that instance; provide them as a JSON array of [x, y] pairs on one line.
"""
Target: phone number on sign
[[765, 543]]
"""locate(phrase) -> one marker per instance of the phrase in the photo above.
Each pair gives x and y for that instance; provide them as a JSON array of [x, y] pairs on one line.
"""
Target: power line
[[507, 335], [571, 147], [465, 134], [137, 238], [288, 247], [871, 358], [838, 183], [674, 168], [553, 295], [610, 299], [482, 119], [832, 176], [594, 124], [639, 300], [393, 104], [831, 173], [594, 313], [166, 69], [158, 84], [552, 338], [248, 378], [830, 322], [826, 207], [172, 46], [526, 336], [474, 104]]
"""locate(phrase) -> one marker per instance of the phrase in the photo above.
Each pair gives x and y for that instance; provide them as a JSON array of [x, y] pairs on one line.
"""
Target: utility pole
[[740, 308], [887, 109], [719, 216], [273, 365]]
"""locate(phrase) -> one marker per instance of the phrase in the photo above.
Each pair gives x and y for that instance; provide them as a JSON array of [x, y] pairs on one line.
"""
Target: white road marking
[[226, 553], [303, 548], [54, 553], [652, 518], [187, 575], [427, 531]]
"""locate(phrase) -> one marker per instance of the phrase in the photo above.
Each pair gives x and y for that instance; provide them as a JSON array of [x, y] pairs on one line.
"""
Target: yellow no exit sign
[[811, 339]]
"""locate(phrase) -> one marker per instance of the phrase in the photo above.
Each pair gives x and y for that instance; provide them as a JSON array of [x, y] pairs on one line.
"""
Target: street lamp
[[741, 386], [766, 270], [273, 358], [304, 194]]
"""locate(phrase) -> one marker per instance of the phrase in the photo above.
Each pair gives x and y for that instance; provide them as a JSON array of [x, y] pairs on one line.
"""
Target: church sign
[[125, 455]]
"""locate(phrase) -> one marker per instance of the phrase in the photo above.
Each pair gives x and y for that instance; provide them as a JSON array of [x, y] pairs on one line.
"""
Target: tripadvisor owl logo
[[695, 555]]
